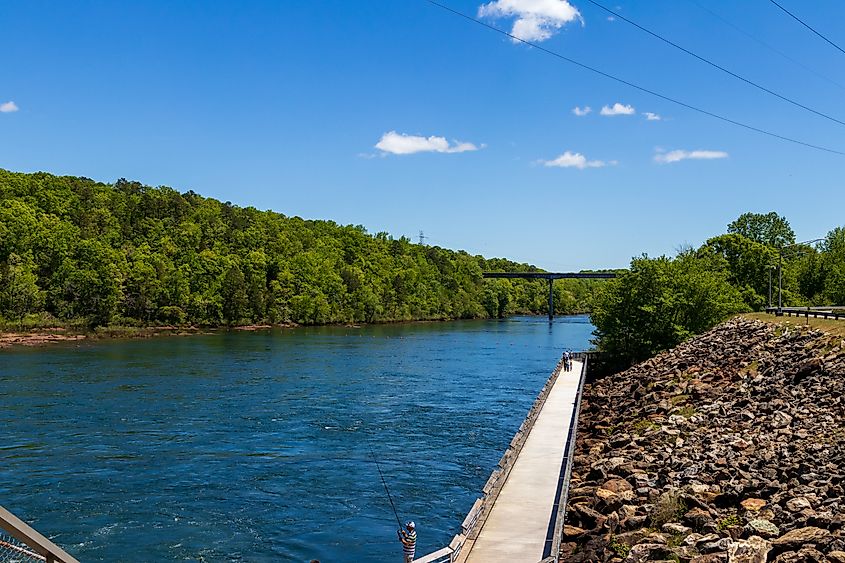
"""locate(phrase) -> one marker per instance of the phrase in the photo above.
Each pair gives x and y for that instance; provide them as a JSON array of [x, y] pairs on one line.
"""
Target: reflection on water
[[254, 446]]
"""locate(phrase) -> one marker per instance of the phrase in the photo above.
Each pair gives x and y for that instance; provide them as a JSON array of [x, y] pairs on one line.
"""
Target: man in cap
[[409, 541]]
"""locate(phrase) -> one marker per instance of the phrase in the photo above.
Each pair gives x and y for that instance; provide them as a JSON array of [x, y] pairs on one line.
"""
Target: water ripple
[[255, 446]]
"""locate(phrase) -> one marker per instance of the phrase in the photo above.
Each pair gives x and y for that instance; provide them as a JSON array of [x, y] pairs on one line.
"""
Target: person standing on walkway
[[409, 541]]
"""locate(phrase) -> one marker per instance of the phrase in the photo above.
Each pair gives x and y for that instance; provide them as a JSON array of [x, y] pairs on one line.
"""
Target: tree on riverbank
[[19, 293], [662, 301], [99, 254]]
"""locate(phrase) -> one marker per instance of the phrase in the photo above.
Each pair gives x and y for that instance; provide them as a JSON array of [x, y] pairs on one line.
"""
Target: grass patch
[[676, 540], [610, 430], [728, 522], [751, 369], [620, 548], [830, 326], [678, 399], [644, 425], [669, 508], [686, 412]]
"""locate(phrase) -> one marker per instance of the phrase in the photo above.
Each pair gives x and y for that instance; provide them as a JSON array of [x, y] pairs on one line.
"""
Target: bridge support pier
[[551, 276]]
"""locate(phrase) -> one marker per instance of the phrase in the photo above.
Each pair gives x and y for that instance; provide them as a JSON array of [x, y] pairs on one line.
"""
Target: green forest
[[80, 253], [75, 252], [661, 301]]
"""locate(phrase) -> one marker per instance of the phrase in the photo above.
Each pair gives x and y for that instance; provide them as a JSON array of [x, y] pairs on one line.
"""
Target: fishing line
[[383, 482]]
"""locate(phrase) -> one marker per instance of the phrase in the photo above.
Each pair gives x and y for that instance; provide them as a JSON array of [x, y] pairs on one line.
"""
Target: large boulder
[[802, 536], [762, 527], [753, 550]]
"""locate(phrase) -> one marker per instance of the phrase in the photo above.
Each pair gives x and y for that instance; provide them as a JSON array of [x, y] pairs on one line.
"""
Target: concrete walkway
[[515, 530]]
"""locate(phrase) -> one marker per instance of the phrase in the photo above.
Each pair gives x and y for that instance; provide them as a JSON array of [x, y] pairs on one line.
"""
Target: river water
[[254, 446]]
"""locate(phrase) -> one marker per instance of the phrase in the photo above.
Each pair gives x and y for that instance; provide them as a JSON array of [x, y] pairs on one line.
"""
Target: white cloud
[[679, 155], [399, 143], [618, 109], [575, 160], [581, 112], [536, 20], [611, 19], [652, 116], [8, 107]]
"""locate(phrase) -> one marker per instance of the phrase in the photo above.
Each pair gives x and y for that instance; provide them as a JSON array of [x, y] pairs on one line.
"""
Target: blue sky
[[281, 105]]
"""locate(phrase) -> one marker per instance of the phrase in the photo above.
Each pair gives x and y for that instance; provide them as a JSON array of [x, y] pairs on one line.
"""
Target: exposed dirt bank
[[730, 447], [36, 338]]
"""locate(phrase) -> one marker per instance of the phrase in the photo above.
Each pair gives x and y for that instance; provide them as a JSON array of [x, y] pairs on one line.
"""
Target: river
[[254, 446]]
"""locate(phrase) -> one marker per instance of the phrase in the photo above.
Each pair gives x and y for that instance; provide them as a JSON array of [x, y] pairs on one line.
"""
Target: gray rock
[[802, 536], [675, 529], [797, 504], [764, 444], [647, 552], [753, 550], [762, 527]]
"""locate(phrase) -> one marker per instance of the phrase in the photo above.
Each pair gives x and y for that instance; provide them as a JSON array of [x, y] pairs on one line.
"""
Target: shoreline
[[54, 335]]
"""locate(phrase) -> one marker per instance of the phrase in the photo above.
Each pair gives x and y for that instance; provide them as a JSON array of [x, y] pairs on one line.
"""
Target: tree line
[[79, 252], [661, 301]]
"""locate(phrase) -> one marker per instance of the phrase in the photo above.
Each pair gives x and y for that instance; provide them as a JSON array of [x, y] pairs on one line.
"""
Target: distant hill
[[74, 250]]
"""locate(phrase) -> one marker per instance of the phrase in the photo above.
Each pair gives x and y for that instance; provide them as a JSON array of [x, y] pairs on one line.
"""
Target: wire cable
[[799, 20], [766, 45], [637, 86], [716, 65]]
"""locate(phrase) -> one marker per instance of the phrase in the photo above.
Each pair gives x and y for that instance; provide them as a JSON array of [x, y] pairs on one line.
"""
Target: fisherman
[[409, 541]]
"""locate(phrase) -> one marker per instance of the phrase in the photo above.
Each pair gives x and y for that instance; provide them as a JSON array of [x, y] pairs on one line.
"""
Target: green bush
[[668, 508], [661, 302]]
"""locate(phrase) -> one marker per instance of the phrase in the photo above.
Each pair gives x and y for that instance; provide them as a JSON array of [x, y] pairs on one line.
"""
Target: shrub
[[669, 508]]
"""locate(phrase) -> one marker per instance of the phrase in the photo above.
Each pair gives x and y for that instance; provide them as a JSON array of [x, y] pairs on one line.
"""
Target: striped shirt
[[409, 542]]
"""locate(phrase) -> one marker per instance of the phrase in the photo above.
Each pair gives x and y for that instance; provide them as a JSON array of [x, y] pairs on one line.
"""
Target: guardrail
[[474, 521], [562, 495], [26, 544], [835, 313]]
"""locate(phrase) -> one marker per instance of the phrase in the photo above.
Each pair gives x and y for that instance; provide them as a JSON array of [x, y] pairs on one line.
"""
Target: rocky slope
[[730, 447]]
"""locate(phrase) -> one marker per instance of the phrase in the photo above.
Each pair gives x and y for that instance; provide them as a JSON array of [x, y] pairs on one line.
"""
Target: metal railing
[[20, 543], [562, 494], [835, 313], [474, 521]]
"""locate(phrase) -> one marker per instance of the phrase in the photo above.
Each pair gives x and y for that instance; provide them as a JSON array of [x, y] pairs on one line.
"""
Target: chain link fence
[[13, 551]]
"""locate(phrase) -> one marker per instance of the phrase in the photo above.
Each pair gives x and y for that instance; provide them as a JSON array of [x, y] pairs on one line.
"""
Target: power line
[[636, 86], [716, 65], [799, 20], [767, 45]]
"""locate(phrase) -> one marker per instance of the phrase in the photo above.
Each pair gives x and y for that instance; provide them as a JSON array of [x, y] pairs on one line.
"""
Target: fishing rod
[[383, 482]]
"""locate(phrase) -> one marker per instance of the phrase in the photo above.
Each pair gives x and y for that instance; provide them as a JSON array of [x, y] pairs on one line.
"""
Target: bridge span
[[551, 276]]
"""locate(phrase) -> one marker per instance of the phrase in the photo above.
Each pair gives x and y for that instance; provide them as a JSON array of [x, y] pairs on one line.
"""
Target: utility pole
[[780, 269], [551, 300], [780, 282], [770, 285]]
